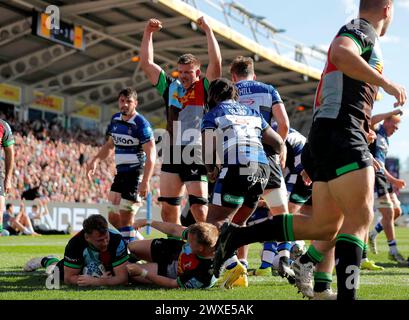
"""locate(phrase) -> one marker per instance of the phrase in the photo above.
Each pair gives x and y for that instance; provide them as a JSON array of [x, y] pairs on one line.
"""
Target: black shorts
[[274, 180], [165, 252], [237, 185], [299, 192], [185, 161], [307, 161], [187, 172], [382, 185], [60, 266], [336, 150], [126, 183]]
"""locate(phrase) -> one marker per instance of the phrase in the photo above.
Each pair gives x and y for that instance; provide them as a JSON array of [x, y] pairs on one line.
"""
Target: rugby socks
[[348, 255], [47, 261], [279, 228], [129, 234], [365, 252], [312, 255], [377, 230], [245, 263], [322, 281], [393, 247], [174, 238], [1, 227], [284, 249], [231, 262], [379, 227], [268, 254]]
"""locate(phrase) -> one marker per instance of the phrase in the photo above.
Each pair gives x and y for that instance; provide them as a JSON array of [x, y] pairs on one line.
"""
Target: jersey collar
[[131, 119]]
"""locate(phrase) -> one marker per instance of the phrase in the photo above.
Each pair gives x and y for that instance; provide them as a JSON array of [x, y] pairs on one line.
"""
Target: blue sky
[[315, 22]]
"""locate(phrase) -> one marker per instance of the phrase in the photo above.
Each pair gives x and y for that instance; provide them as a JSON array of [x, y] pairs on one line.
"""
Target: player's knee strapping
[[276, 198], [127, 205], [129, 234], [383, 204], [114, 208], [197, 200], [173, 201]]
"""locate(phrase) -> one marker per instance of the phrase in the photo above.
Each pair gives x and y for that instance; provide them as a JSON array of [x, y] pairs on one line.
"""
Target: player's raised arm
[[214, 69], [151, 69]]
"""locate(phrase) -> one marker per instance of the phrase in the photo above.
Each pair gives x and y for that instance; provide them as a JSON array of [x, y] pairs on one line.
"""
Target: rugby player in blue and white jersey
[[232, 132], [266, 100], [131, 136], [386, 200]]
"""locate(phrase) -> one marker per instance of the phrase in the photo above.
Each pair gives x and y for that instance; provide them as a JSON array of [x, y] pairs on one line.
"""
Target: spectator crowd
[[50, 162]]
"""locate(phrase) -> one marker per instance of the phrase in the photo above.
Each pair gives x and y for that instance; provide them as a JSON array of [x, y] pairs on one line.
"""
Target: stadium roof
[[113, 33]]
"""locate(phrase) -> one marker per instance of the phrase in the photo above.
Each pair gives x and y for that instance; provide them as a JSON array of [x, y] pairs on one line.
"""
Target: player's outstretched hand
[[397, 91], [134, 270], [91, 167]]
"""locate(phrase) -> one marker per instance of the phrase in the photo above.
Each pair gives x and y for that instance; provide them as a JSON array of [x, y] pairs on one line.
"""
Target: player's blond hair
[[206, 233]]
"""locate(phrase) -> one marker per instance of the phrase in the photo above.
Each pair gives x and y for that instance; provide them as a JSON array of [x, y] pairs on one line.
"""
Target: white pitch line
[[30, 244], [21, 273]]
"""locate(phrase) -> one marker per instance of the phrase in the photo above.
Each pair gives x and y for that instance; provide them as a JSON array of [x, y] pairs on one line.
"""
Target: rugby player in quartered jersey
[[185, 102], [95, 256], [343, 174], [131, 136], [7, 143], [185, 262]]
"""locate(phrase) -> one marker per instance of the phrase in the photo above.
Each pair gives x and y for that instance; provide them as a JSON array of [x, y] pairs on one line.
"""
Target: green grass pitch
[[390, 284]]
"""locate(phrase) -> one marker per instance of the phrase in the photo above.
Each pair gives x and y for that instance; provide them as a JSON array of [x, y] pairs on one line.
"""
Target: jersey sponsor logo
[[247, 101], [94, 269], [122, 140], [71, 260], [242, 121], [187, 260], [257, 179], [182, 99], [298, 198], [233, 199]]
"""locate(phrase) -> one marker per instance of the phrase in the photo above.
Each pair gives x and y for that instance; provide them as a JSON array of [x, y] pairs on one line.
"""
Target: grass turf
[[390, 284]]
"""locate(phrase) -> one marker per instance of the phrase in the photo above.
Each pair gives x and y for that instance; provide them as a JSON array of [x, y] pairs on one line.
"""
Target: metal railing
[[257, 27]]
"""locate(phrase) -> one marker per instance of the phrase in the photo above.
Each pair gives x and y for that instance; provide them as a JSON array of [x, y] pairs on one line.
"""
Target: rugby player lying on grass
[[96, 256], [184, 262]]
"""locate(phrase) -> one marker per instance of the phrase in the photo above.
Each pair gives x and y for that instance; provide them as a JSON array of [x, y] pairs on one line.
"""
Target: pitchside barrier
[[63, 214]]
